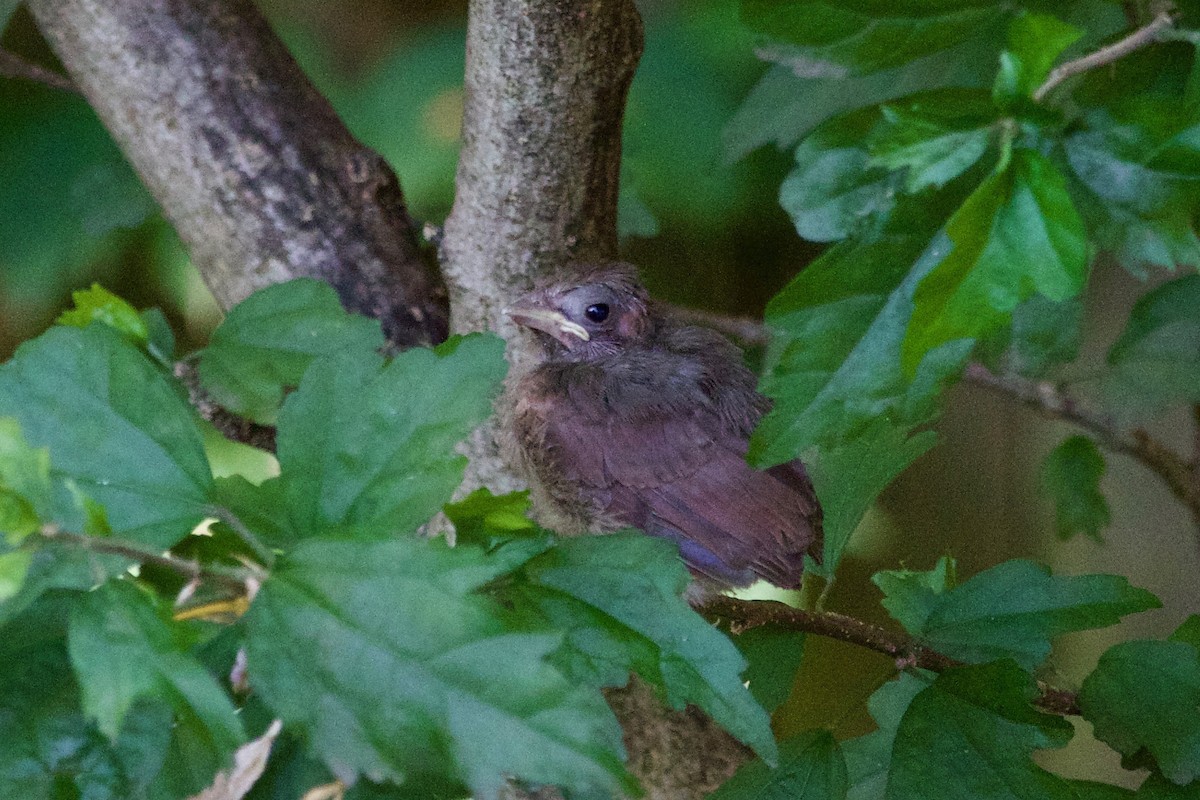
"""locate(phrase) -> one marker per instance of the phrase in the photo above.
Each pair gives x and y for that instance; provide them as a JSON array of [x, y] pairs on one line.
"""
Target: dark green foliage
[[1145, 696], [1071, 476], [1012, 610], [811, 767]]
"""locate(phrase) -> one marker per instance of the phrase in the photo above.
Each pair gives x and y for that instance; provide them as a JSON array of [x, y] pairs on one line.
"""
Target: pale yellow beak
[[547, 321]]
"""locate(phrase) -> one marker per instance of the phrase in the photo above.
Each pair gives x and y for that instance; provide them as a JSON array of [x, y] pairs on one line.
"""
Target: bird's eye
[[597, 312]]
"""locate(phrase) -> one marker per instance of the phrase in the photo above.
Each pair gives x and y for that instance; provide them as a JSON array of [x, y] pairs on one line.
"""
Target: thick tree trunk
[[252, 166], [546, 84]]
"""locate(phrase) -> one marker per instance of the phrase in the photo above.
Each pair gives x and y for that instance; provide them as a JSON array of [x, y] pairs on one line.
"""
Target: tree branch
[[1044, 397], [253, 167], [742, 615], [1143, 36], [13, 66], [234, 578]]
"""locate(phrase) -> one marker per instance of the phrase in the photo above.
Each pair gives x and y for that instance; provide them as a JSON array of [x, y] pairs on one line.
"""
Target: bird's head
[[593, 311]]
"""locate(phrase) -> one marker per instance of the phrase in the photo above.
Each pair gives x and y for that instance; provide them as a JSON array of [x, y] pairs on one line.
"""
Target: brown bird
[[631, 419]]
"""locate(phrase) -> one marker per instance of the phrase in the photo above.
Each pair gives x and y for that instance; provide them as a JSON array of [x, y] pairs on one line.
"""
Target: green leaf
[[811, 767], [787, 103], [935, 136], [124, 647], [1018, 234], [1146, 695], [485, 518], [911, 597], [773, 654], [369, 447], [839, 38], [971, 733], [1157, 356], [849, 477], [1071, 476], [1042, 335], [1156, 787], [1012, 610], [1035, 41], [453, 690], [161, 342], [833, 190], [116, 426], [97, 304], [869, 757], [618, 619], [267, 341], [1141, 168], [833, 365], [262, 508], [24, 484]]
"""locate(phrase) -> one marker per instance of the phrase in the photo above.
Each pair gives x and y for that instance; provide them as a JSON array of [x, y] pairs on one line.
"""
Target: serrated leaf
[[124, 648], [1140, 164], [832, 366], [870, 35], [1035, 41], [412, 672], [787, 103], [773, 654], [911, 596], [934, 136], [266, 342], [1013, 610], [869, 757], [971, 734], [618, 619], [1146, 694], [811, 767], [1158, 354], [1071, 477], [50, 750], [1042, 335], [368, 447], [849, 477], [97, 304], [116, 426], [833, 192], [1018, 234]]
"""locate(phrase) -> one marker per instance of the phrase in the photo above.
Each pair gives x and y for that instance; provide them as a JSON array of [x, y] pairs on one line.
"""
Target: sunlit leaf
[[97, 304]]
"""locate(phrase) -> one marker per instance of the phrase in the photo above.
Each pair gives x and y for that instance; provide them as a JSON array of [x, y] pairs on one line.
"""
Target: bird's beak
[[547, 321]]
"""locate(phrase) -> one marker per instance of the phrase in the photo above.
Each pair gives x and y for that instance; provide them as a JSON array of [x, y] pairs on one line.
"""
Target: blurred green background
[[707, 231]]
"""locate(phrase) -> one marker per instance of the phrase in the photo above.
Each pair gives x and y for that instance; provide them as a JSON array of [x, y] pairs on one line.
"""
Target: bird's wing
[[676, 468]]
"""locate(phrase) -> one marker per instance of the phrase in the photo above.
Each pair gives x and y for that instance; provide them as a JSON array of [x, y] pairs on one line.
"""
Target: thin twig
[[235, 578], [1045, 397], [742, 615], [14, 66], [1143, 36]]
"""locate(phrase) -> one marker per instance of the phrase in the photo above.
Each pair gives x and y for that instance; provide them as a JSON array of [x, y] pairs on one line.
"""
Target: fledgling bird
[[631, 419]]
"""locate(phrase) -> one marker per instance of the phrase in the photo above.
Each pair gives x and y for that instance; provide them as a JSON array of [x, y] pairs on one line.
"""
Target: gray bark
[[546, 84], [250, 164]]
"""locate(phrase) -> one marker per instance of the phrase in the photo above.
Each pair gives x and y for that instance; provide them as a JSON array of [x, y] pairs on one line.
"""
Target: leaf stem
[[742, 615], [263, 553], [235, 578], [1143, 36], [14, 66]]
